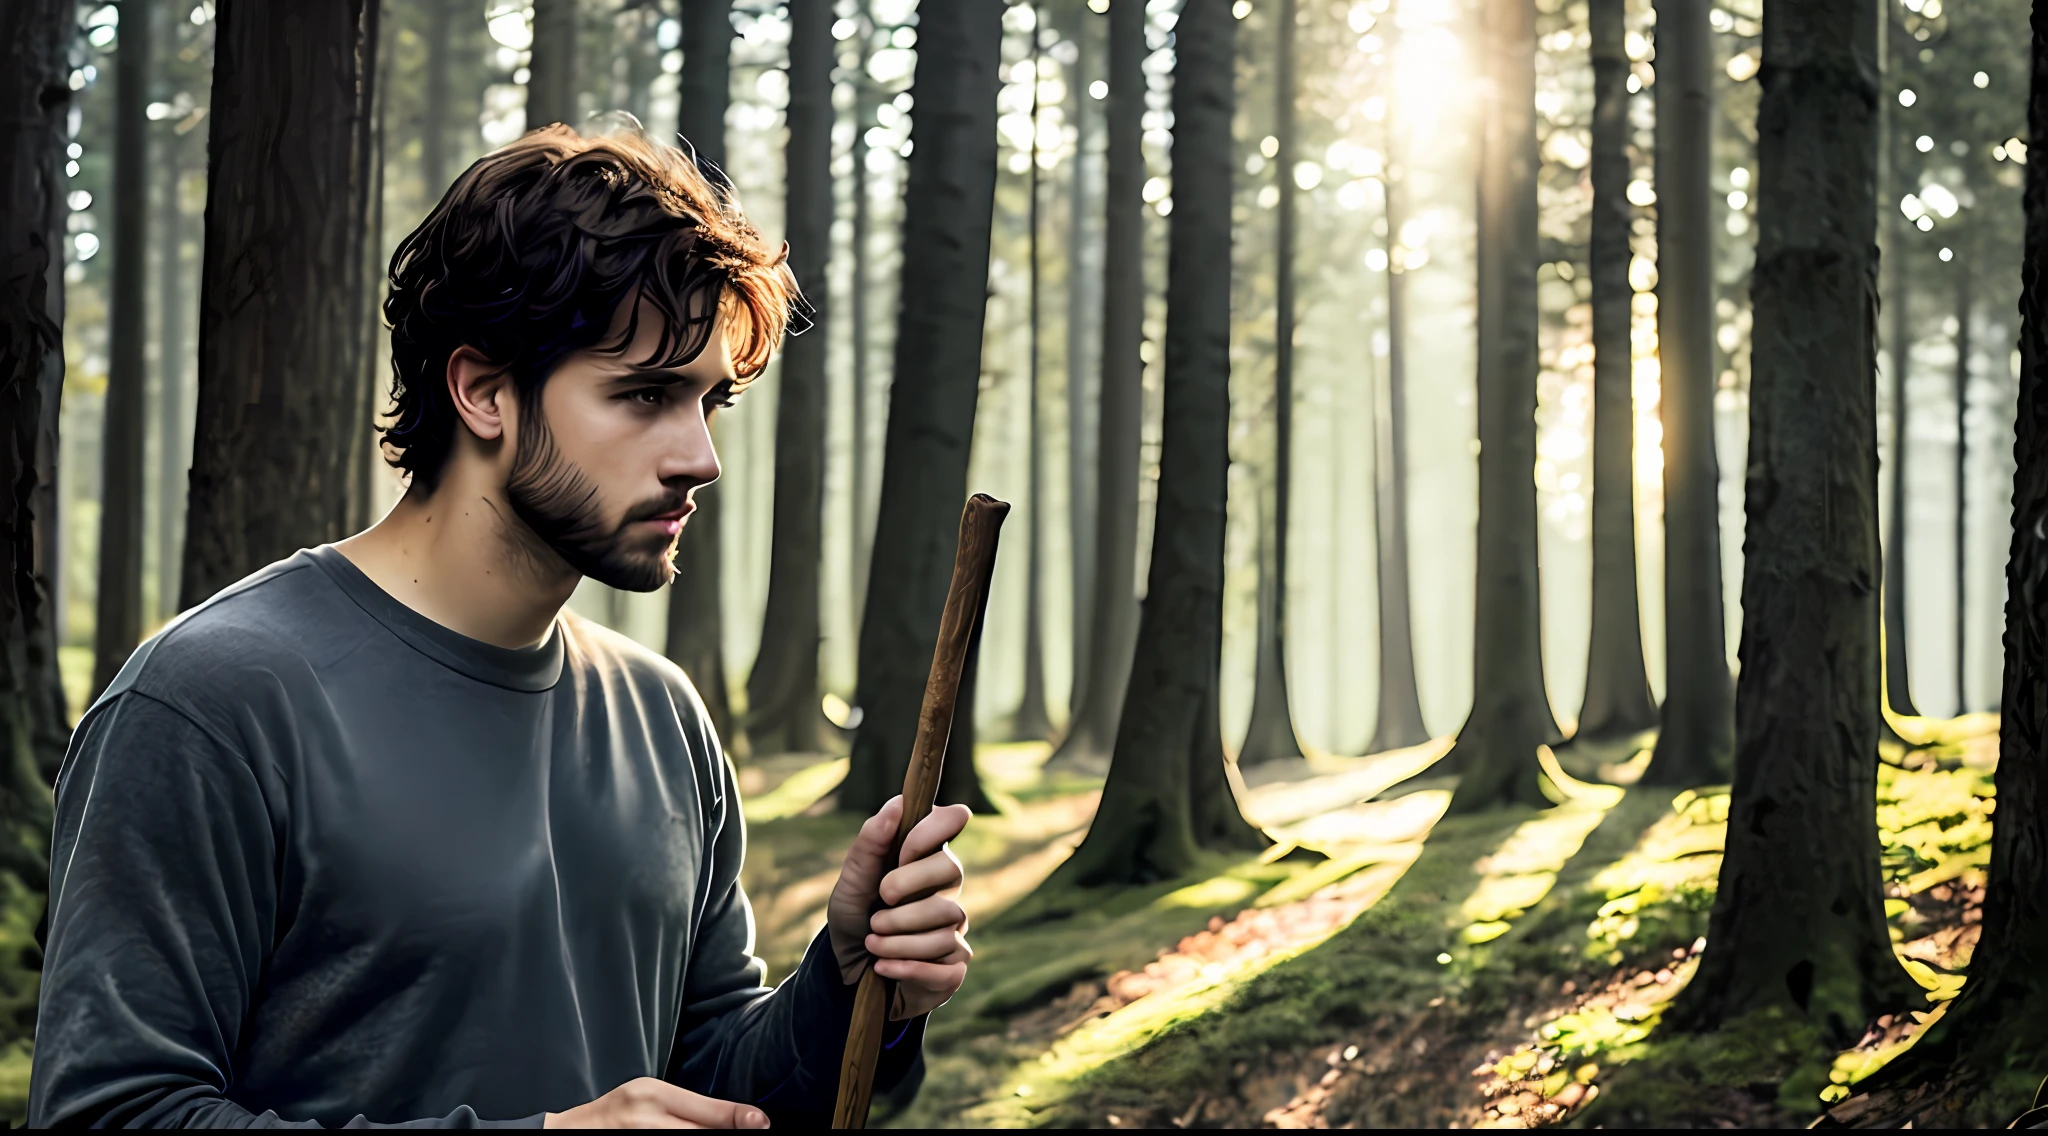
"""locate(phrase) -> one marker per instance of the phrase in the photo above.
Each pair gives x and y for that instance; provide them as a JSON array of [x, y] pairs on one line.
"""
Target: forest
[[1526, 601]]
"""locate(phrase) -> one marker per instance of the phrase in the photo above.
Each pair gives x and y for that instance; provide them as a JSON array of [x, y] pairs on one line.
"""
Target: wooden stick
[[973, 564]]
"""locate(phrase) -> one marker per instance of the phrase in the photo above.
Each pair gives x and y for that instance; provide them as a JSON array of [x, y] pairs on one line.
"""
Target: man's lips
[[671, 522]]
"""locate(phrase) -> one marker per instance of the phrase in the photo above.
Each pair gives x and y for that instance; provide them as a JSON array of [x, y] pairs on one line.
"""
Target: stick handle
[[973, 564]]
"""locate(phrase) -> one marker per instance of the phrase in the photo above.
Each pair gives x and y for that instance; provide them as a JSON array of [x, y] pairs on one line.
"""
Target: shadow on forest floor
[[1380, 966]]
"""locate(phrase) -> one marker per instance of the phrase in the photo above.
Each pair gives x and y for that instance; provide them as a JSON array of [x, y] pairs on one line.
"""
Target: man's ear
[[478, 389]]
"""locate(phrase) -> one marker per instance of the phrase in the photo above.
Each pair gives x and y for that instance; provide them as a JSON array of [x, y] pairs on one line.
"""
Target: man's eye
[[649, 396]]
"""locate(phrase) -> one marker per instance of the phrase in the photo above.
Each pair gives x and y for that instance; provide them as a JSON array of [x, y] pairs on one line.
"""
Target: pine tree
[[34, 36], [1695, 740], [279, 346], [1618, 700], [1495, 754], [949, 210], [1810, 943], [783, 713], [696, 616], [1119, 414], [117, 622], [1270, 737], [1168, 795]]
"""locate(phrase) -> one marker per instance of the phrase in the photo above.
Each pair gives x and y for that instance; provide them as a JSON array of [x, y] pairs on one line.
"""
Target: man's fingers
[[934, 873], [879, 830], [944, 945], [930, 834], [938, 976], [656, 1097], [929, 914]]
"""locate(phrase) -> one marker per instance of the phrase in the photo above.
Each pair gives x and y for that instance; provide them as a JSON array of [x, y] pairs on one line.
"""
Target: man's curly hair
[[532, 250]]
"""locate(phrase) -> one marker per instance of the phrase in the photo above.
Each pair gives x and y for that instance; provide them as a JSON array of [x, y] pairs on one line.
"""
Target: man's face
[[604, 474]]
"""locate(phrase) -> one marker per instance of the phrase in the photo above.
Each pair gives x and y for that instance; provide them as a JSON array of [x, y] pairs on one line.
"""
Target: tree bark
[[783, 698], [1082, 381], [1963, 269], [1031, 721], [117, 620], [1897, 674], [1399, 722], [1113, 607], [1495, 754], [1978, 1064], [174, 366], [434, 115], [959, 783], [552, 82], [1810, 942], [696, 627], [34, 38], [1168, 794], [279, 349], [864, 120], [949, 208], [1618, 700], [364, 451], [1271, 736], [643, 58], [1695, 740]]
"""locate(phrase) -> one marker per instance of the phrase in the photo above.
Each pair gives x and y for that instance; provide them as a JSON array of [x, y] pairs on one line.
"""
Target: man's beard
[[555, 500]]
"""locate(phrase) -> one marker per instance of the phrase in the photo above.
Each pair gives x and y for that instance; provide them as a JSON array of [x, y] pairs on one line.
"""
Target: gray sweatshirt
[[319, 861]]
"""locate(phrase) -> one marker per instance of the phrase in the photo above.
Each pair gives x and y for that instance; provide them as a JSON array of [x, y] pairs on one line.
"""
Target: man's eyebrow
[[665, 377]]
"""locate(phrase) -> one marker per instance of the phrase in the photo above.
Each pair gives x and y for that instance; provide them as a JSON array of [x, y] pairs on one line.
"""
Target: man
[[383, 836]]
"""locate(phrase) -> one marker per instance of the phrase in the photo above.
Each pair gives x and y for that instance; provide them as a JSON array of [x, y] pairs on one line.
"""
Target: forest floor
[[1383, 966]]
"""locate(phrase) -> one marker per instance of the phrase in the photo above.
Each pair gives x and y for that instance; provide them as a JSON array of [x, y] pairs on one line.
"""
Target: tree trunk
[[1113, 607], [1962, 268], [1979, 1063], [367, 460], [435, 114], [1270, 736], [279, 362], [864, 120], [1618, 700], [551, 82], [35, 36], [1695, 740], [1031, 721], [1812, 941], [1399, 721], [783, 706], [643, 59], [696, 627], [1168, 795], [1897, 675], [174, 427], [117, 620], [948, 208], [959, 782], [1496, 751], [1082, 392]]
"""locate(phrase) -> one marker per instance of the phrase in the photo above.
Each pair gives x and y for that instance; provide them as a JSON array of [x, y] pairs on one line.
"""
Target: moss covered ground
[[1380, 966]]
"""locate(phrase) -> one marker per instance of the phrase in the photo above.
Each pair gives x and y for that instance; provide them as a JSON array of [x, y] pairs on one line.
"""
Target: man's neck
[[463, 559]]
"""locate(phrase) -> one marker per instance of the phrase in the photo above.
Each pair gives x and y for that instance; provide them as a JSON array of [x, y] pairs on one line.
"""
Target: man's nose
[[693, 457]]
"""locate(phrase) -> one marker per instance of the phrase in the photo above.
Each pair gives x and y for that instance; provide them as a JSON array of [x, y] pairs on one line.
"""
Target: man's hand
[[649, 1102], [919, 938]]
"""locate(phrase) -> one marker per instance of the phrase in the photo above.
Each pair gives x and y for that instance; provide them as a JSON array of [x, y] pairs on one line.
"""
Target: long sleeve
[[779, 1049], [163, 908]]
